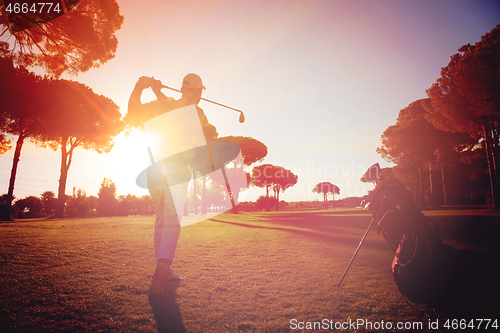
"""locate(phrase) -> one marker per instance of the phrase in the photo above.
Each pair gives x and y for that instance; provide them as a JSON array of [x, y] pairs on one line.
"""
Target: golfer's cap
[[192, 81]]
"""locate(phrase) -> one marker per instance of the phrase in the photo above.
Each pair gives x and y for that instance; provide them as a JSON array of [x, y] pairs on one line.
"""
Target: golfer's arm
[[159, 95], [134, 107]]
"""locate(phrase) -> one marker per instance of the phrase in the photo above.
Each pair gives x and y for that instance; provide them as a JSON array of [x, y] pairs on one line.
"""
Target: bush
[[283, 205], [49, 202], [80, 205], [4, 208], [266, 203], [107, 202], [247, 206], [29, 207]]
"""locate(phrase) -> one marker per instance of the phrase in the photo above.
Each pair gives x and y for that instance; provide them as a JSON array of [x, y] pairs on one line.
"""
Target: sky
[[319, 82]]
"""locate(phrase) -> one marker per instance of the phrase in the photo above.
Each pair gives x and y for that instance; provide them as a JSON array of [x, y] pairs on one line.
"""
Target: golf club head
[[242, 117]]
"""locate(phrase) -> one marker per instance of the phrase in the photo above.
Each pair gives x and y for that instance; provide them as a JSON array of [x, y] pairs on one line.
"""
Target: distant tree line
[[259, 205], [79, 204]]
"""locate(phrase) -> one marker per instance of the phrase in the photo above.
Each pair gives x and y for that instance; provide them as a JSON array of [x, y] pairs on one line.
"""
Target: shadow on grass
[[321, 231], [473, 291], [320, 220], [166, 311]]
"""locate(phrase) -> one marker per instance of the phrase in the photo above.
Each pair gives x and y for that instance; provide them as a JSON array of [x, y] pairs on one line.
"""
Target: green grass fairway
[[251, 272]]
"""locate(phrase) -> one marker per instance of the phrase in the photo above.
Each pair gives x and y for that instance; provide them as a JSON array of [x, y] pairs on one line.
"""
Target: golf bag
[[422, 265]]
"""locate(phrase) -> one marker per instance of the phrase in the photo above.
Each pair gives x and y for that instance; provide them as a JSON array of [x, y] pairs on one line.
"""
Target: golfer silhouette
[[181, 134]]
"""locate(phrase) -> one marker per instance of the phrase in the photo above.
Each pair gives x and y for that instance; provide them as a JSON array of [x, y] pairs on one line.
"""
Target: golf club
[[356, 252], [242, 116]]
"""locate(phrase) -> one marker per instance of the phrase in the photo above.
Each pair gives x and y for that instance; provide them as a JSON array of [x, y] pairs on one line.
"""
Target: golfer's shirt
[[160, 106]]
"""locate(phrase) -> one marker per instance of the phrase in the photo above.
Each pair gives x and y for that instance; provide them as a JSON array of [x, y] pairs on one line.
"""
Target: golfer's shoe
[[159, 279], [163, 275]]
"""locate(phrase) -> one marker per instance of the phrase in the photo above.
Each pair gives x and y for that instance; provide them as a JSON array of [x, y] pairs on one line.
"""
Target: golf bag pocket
[[422, 268]]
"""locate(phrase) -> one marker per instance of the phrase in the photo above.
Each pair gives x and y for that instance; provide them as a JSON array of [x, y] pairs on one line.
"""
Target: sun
[[128, 158]]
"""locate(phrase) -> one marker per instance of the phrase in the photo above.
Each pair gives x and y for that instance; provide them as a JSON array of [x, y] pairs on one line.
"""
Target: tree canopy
[[411, 137], [412, 141], [251, 149], [262, 176], [415, 145], [326, 188], [275, 177], [82, 38], [20, 105], [466, 98]]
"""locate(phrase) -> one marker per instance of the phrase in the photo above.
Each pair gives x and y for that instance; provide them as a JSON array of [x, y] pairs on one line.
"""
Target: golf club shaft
[[356, 252], [204, 99]]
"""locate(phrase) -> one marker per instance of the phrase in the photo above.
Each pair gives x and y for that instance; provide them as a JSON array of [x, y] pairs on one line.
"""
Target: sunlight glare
[[128, 158]]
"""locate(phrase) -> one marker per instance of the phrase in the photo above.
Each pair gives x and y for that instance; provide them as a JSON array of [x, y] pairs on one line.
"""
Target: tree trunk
[[491, 167], [203, 198], [277, 198], [66, 157], [421, 187], [186, 209], [194, 198], [433, 199], [415, 190], [10, 194], [325, 201], [445, 197], [495, 150], [235, 193]]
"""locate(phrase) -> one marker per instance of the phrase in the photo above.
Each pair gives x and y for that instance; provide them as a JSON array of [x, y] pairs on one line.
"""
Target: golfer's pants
[[168, 203]]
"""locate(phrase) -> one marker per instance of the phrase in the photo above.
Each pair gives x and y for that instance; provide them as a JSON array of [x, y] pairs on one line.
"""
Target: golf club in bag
[[423, 265]]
